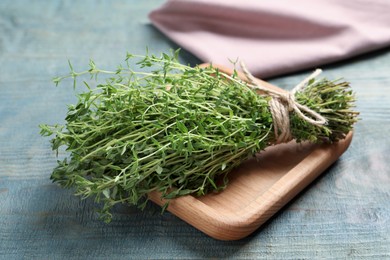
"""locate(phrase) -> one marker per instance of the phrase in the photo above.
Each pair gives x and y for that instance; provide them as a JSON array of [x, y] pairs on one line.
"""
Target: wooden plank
[[256, 190], [343, 214]]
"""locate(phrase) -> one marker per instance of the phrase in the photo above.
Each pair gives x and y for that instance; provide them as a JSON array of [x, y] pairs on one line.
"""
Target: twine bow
[[282, 103]]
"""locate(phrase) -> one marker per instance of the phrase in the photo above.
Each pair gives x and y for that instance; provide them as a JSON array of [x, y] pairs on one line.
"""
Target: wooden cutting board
[[257, 189]]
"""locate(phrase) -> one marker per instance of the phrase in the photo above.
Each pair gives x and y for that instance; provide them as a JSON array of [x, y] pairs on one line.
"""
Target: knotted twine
[[283, 102]]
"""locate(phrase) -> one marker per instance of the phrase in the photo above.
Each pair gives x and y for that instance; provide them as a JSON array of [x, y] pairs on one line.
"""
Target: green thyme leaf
[[175, 129]]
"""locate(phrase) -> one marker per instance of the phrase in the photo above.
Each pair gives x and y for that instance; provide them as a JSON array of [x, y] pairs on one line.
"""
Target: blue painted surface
[[344, 214]]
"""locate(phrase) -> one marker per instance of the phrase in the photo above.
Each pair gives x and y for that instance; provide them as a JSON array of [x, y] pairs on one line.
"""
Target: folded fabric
[[275, 37]]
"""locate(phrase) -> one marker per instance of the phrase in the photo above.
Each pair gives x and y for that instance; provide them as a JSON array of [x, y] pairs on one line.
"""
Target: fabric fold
[[275, 37]]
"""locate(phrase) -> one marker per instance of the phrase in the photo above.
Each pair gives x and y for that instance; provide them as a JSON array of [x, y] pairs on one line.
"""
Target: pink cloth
[[275, 37]]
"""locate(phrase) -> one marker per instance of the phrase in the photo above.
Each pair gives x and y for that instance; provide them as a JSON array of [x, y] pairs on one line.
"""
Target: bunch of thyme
[[175, 129]]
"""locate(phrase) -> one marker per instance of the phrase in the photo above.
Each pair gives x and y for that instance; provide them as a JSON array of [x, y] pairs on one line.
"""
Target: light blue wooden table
[[344, 214]]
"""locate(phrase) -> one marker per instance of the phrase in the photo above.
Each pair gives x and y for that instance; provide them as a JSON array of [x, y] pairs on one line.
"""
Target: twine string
[[282, 103]]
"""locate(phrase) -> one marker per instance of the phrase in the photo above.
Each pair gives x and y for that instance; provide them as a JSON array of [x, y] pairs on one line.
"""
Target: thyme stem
[[130, 135]]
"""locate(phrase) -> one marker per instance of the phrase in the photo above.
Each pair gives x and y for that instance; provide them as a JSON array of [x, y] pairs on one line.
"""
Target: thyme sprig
[[175, 129]]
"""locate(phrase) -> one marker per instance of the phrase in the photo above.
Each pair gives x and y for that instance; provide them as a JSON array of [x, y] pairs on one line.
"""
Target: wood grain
[[343, 214], [257, 189]]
